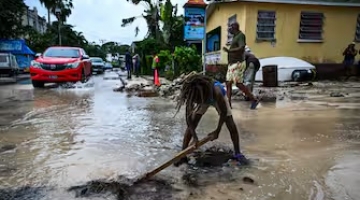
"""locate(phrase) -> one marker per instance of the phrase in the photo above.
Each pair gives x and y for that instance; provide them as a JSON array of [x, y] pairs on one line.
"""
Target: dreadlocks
[[196, 90]]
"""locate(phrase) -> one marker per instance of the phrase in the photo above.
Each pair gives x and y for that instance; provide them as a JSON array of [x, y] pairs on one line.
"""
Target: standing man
[[349, 58], [252, 67], [237, 65], [136, 64], [155, 64], [128, 64]]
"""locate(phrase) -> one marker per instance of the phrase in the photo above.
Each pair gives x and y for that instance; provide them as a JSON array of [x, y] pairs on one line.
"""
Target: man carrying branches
[[198, 93]]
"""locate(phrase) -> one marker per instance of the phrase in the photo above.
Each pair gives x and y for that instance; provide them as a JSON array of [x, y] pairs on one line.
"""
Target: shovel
[[180, 155]]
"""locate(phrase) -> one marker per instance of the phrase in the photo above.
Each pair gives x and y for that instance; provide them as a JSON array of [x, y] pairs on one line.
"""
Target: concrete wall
[[32, 18], [338, 30]]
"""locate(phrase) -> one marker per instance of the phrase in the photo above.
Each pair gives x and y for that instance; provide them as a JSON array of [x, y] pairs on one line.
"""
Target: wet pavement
[[305, 145]]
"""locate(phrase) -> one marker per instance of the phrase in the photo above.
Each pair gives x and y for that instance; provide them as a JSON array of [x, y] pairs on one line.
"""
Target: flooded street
[[304, 146]]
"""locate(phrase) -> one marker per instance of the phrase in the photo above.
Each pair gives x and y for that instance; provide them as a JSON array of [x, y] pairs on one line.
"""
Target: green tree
[[115, 48], [11, 12], [151, 15], [173, 25], [39, 42], [95, 50], [64, 5]]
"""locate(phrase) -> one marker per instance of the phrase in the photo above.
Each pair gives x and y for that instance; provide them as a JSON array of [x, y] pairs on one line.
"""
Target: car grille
[[53, 67], [97, 66]]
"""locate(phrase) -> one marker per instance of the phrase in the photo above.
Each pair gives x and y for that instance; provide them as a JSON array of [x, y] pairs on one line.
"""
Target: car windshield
[[62, 53], [96, 60]]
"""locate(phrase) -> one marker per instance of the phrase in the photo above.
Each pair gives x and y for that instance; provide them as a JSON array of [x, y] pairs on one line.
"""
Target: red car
[[60, 64]]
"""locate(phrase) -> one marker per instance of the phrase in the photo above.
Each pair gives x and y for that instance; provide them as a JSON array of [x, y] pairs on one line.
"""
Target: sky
[[101, 19]]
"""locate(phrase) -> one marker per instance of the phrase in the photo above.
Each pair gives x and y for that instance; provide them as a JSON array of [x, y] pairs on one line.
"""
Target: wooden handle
[[181, 154]]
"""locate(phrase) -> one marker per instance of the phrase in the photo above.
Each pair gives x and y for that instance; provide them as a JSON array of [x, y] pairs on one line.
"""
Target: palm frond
[[137, 30], [127, 21]]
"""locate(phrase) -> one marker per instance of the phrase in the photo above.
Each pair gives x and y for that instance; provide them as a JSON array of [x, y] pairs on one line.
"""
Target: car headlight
[[72, 65], [35, 64]]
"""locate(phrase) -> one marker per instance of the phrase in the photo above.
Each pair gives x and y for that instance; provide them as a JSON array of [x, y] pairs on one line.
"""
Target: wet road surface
[[306, 147]]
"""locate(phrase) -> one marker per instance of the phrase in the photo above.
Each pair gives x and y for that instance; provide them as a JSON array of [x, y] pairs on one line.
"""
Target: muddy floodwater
[[304, 145]]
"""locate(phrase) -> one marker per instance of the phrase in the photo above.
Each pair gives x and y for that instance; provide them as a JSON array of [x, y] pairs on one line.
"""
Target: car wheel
[[83, 76], [37, 84]]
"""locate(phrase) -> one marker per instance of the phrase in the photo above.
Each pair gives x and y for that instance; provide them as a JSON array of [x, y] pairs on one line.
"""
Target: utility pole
[[58, 12]]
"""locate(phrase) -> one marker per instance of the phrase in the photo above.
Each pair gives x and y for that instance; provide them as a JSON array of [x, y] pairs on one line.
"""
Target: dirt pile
[[206, 166]]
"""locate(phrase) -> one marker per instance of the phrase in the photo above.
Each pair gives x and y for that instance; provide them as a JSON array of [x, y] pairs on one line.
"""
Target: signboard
[[213, 58], [11, 45], [194, 28]]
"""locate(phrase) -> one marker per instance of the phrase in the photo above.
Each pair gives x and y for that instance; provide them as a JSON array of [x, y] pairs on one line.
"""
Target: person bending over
[[198, 93], [252, 67]]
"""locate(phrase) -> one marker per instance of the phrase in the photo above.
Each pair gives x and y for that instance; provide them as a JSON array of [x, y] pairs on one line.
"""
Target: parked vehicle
[[23, 54], [108, 66], [60, 64], [97, 65], [8, 66], [289, 69]]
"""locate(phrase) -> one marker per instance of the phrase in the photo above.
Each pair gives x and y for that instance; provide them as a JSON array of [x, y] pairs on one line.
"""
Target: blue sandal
[[254, 104], [241, 159]]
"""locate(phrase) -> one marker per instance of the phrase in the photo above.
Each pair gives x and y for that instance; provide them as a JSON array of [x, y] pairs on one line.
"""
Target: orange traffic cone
[[157, 79]]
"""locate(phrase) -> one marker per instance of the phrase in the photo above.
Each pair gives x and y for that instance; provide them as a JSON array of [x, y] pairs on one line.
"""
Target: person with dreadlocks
[[198, 93]]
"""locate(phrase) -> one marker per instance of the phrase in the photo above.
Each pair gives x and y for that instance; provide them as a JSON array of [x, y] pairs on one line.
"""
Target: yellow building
[[317, 31]]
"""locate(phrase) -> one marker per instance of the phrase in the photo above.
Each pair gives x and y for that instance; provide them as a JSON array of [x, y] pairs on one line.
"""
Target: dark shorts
[[349, 63]]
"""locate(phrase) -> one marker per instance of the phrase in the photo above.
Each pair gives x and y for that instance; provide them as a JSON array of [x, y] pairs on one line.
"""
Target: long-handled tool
[[181, 154]]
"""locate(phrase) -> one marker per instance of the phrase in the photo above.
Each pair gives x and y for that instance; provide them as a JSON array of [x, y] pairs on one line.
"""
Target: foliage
[[115, 48], [39, 42], [149, 46], [64, 5], [146, 65], [170, 75], [165, 58], [171, 33], [151, 15], [95, 50], [11, 12], [187, 59], [173, 25]]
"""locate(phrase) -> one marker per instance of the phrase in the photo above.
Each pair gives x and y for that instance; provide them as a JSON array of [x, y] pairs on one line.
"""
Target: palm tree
[[151, 15], [64, 5]]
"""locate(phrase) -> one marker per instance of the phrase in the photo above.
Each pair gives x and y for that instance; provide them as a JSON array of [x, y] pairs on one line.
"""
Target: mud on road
[[77, 143]]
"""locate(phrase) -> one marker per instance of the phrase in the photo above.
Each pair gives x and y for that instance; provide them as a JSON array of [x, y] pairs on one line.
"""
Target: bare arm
[[220, 101], [354, 52], [190, 123]]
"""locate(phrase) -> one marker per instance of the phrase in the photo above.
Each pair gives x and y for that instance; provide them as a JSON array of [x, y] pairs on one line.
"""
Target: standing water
[[54, 138]]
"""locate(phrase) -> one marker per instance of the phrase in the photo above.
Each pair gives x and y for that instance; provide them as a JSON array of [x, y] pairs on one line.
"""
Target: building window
[[311, 26], [357, 33], [266, 25], [213, 40], [231, 20]]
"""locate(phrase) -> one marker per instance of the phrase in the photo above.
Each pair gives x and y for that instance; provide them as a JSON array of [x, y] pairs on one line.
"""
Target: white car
[[8, 66], [289, 69]]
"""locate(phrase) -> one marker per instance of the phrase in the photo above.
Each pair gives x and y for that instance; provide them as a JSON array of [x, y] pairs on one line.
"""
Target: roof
[[339, 3], [15, 47]]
